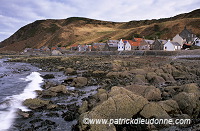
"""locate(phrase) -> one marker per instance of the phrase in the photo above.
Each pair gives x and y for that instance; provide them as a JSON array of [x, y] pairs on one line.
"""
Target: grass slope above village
[[77, 30]]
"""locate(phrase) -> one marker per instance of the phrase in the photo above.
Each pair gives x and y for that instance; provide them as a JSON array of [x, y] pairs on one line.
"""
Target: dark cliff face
[[65, 32]]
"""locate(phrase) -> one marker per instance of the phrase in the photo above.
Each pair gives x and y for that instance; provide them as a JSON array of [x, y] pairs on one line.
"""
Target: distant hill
[[72, 30]]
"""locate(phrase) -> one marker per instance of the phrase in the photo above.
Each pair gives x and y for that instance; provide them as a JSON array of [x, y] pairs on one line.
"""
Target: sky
[[15, 14]]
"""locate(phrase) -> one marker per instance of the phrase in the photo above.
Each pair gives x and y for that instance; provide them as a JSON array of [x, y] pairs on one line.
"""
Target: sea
[[18, 81]]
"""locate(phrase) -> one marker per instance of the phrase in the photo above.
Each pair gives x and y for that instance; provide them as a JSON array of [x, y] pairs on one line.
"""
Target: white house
[[179, 39], [56, 52], [127, 45], [120, 45], [197, 41], [172, 46]]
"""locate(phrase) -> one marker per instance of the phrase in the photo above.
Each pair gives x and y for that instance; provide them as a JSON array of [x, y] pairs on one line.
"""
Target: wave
[[13, 103]]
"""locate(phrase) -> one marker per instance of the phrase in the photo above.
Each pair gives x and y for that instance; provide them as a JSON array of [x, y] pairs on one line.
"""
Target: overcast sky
[[17, 13]]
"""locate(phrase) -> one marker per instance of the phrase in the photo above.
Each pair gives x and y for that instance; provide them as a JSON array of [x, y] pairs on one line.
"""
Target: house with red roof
[[132, 44], [74, 47]]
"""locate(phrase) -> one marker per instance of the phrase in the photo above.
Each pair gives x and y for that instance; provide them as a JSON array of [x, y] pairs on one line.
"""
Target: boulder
[[189, 103], [150, 75], [83, 108], [48, 93], [60, 68], [154, 110], [48, 76], [138, 71], [101, 95], [167, 77], [121, 104], [99, 73], [113, 74], [170, 106], [191, 88], [125, 74], [23, 114], [152, 93], [139, 79], [159, 71], [59, 89], [157, 80], [168, 68], [70, 71], [51, 106], [79, 82], [35, 103], [185, 116], [149, 92], [178, 74], [48, 85], [172, 90]]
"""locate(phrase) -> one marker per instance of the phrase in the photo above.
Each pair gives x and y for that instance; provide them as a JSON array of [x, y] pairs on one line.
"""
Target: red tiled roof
[[74, 45], [53, 48], [134, 43]]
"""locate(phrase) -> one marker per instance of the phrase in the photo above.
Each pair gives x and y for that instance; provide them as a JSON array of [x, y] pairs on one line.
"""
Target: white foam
[[15, 102]]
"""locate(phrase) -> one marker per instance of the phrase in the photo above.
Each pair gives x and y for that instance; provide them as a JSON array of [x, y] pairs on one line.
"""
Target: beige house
[[179, 39]]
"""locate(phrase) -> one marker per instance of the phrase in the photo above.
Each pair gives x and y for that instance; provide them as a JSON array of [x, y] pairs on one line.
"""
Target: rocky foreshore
[[111, 87]]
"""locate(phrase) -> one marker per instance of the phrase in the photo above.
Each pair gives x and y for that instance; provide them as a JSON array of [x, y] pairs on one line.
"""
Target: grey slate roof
[[187, 34], [113, 43], [149, 41], [175, 43]]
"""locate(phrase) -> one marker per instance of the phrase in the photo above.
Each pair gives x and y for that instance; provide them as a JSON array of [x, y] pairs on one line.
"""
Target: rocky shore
[[111, 87]]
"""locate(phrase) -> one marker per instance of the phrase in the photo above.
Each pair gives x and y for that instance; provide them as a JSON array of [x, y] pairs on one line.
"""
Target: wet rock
[[51, 106], [191, 88], [189, 103], [59, 89], [23, 114], [70, 71], [178, 74], [48, 93], [184, 116], [38, 92], [159, 71], [48, 85], [167, 77], [157, 80], [83, 108], [152, 94], [98, 73], [150, 75], [153, 109], [139, 79], [170, 106], [172, 90], [52, 114], [69, 116], [35, 103], [48, 76], [69, 80], [113, 74], [125, 74], [103, 97], [138, 71], [117, 64], [79, 82], [61, 68]]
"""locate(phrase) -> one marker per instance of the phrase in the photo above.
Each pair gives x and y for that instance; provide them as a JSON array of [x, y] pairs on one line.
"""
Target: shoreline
[[156, 80]]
